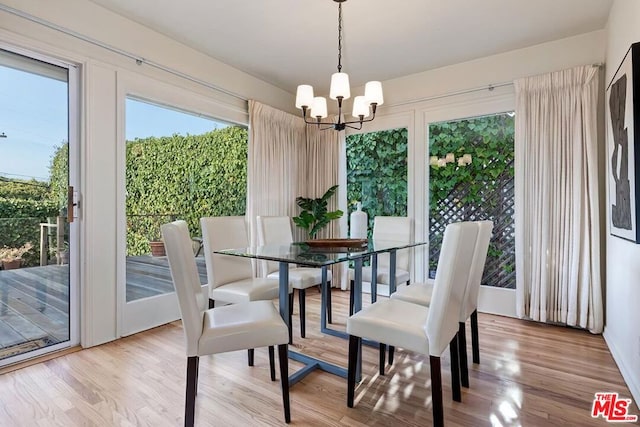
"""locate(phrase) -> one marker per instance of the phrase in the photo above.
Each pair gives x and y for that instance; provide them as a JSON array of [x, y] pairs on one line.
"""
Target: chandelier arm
[[353, 127], [360, 121], [315, 122]]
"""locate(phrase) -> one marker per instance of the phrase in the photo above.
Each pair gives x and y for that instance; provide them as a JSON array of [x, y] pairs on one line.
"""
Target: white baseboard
[[498, 301], [382, 289], [627, 373]]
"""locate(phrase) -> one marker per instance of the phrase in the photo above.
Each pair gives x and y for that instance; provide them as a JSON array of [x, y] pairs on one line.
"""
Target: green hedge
[[19, 224], [377, 173], [185, 177], [23, 189], [489, 140]]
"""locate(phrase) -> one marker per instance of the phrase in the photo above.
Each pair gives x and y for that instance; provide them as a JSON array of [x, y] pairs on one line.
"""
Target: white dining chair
[[231, 278], [388, 229], [425, 330], [421, 293], [218, 330], [276, 230]]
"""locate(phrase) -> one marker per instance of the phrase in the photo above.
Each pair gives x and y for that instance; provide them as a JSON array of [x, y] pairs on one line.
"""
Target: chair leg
[[455, 370], [329, 302], [272, 364], [212, 303], [197, 373], [383, 353], [301, 298], [192, 384], [408, 282], [354, 345], [462, 349], [250, 354], [351, 299], [391, 351], [291, 318], [283, 358], [475, 343], [436, 391]]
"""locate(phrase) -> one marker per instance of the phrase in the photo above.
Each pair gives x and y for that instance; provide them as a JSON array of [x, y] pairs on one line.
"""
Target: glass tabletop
[[316, 256]]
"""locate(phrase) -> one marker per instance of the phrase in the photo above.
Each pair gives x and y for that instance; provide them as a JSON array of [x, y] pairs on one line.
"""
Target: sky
[[33, 116]]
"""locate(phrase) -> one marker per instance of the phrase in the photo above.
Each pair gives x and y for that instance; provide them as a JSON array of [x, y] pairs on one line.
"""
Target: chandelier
[[316, 106]]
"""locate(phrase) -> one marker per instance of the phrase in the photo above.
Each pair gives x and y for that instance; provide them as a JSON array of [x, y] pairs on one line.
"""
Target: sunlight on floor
[[508, 409]]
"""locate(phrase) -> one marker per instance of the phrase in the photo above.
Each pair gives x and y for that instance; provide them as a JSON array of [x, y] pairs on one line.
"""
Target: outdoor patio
[[34, 301]]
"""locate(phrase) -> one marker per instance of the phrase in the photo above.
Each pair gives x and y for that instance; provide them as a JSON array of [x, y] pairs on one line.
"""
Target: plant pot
[[157, 248], [63, 258], [13, 264]]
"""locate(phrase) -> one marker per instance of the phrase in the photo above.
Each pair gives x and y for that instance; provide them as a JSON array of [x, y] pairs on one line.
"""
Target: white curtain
[[288, 159], [556, 185], [276, 160]]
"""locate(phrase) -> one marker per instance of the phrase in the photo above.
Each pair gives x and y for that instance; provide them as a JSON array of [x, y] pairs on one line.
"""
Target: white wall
[[622, 329], [584, 49], [101, 73]]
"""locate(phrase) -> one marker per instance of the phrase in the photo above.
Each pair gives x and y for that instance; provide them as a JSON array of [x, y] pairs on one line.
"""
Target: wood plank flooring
[[34, 307], [530, 375], [148, 276]]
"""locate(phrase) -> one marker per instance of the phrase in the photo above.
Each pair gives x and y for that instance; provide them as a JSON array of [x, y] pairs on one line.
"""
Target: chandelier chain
[[339, 37]]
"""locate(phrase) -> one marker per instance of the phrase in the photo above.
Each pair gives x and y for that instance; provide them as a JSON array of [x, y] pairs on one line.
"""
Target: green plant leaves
[[314, 215], [377, 173], [186, 177]]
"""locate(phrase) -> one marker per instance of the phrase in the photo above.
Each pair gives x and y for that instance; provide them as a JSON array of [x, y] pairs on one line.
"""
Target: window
[[178, 166], [471, 178]]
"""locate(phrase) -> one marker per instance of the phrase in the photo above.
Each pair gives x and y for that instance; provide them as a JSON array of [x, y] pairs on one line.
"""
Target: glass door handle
[[72, 204]]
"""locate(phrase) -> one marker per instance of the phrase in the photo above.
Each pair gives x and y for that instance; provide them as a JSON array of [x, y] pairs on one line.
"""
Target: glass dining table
[[301, 253]]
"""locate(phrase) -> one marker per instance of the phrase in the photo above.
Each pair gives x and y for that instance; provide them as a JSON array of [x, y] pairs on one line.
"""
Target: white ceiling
[[290, 42]]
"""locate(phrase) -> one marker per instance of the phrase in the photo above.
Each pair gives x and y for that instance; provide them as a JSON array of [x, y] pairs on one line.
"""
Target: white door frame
[[491, 299], [73, 117], [143, 314]]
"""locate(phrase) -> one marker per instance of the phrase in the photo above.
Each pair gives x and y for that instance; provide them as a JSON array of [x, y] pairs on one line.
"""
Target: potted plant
[[157, 247], [12, 257], [63, 255], [315, 216]]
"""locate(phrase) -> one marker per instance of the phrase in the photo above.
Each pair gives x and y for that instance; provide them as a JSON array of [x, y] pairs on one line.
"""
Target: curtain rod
[[490, 87], [138, 59]]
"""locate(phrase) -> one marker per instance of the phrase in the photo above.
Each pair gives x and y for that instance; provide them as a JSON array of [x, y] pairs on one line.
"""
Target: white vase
[[359, 220]]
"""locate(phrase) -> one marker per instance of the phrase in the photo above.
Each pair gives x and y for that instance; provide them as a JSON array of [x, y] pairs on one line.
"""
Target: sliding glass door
[[38, 251]]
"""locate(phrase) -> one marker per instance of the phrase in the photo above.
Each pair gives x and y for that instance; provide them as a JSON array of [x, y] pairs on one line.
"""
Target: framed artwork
[[623, 142]]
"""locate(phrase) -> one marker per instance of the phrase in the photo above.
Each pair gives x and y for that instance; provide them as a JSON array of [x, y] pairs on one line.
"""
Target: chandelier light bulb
[[319, 107], [373, 93], [304, 96], [360, 107], [339, 86]]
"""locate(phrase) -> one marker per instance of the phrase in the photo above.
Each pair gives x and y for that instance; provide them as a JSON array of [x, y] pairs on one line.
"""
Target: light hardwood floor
[[530, 375]]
